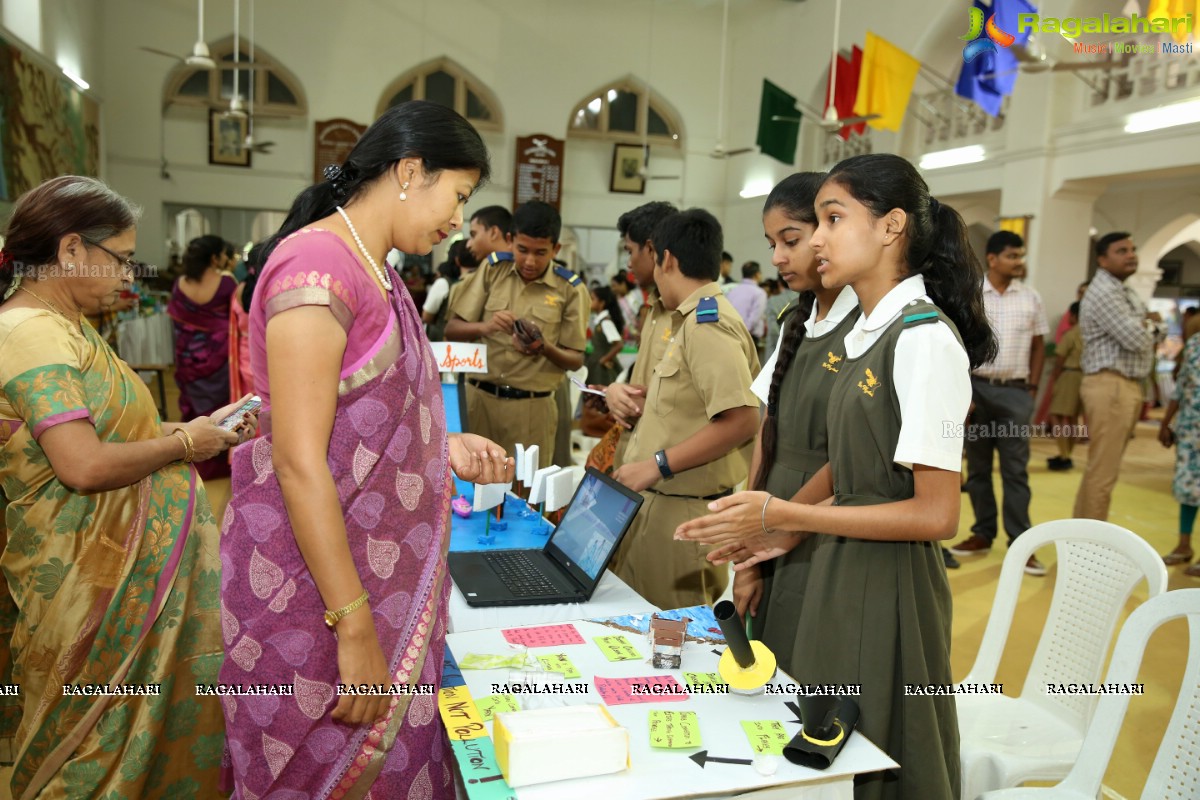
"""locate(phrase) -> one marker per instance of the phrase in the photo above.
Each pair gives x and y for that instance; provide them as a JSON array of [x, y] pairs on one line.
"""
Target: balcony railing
[[836, 148], [944, 118], [1140, 75]]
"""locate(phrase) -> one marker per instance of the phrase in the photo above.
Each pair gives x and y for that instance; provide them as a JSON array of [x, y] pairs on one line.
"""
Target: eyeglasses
[[128, 263]]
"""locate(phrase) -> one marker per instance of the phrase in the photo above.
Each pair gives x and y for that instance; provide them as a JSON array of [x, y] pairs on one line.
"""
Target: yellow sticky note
[[674, 729], [459, 714], [558, 662], [488, 706], [766, 736], [703, 679], [617, 648]]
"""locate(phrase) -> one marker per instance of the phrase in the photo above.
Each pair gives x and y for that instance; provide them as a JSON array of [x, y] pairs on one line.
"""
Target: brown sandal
[[1177, 556], [1193, 571]]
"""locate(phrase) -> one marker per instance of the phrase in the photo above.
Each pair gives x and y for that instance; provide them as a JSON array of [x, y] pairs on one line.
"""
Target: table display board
[[688, 737]]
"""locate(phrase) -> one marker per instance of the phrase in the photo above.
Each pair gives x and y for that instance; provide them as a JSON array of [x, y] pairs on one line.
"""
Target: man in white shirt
[[1003, 392]]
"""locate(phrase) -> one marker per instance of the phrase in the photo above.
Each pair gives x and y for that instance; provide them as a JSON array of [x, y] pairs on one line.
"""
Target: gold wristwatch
[[333, 617]]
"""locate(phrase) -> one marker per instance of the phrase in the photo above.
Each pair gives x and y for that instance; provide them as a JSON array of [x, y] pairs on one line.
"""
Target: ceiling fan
[[250, 144], [829, 120], [199, 57], [1033, 59], [719, 150]]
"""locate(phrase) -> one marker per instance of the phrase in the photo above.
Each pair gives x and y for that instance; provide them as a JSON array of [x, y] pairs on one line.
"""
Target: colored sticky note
[[481, 774], [703, 679], [488, 706], [674, 729], [652, 689], [459, 714], [543, 635], [558, 662], [767, 735], [617, 648]]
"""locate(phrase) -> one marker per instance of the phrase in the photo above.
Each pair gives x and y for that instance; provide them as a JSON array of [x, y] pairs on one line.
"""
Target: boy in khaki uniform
[[694, 430], [514, 402]]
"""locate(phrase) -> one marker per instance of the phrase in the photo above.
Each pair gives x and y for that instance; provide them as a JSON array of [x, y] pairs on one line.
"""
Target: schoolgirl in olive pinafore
[[800, 451], [877, 613], [597, 372]]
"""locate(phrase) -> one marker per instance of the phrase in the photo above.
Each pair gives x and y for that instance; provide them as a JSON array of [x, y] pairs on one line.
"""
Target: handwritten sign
[[674, 729], [488, 706], [651, 689], [703, 679], [766, 736], [617, 648], [477, 761], [460, 356], [543, 635], [558, 662], [459, 714]]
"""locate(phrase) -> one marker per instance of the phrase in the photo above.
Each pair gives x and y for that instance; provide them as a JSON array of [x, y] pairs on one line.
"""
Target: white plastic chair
[[1176, 769], [1008, 740]]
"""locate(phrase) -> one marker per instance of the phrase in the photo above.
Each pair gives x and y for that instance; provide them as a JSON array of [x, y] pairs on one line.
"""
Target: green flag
[[777, 138]]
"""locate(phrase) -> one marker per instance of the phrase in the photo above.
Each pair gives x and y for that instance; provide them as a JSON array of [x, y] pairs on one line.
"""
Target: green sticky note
[[488, 706], [703, 679], [558, 662], [766, 736], [617, 648], [674, 729]]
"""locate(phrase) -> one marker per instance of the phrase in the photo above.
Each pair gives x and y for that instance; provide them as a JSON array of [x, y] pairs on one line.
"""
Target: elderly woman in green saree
[[110, 556]]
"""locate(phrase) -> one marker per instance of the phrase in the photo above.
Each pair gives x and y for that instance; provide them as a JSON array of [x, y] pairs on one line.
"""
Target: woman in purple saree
[[345, 498]]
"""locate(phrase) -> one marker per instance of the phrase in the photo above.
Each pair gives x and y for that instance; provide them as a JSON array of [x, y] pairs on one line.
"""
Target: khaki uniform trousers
[[668, 573], [1112, 404], [511, 422]]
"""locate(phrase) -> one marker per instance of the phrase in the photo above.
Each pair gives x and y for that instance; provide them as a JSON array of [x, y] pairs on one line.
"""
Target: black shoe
[[951, 561], [1059, 464]]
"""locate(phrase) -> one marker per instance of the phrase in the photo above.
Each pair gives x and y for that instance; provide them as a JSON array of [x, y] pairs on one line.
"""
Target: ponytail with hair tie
[[6, 262]]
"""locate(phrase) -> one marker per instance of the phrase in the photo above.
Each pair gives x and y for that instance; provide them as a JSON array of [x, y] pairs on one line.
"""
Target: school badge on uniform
[[552, 299], [831, 361], [872, 383]]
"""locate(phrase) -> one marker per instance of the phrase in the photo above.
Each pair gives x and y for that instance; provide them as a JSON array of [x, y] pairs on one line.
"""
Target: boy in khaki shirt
[[692, 411], [514, 402]]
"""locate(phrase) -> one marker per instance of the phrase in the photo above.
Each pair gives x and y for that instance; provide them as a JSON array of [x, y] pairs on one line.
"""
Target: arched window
[[444, 82], [276, 90], [624, 110]]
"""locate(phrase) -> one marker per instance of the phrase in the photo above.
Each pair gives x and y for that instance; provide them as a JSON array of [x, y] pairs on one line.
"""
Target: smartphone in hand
[[239, 415]]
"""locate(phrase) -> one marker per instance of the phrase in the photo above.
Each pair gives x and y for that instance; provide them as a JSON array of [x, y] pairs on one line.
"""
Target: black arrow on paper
[[719, 652], [795, 709], [703, 756]]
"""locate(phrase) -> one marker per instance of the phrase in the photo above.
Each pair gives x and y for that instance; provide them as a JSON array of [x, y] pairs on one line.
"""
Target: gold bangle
[[189, 447], [333, 617]]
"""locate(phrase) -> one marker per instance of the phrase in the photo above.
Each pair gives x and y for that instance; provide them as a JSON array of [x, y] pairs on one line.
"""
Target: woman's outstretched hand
[[733, 519], [479, 460]]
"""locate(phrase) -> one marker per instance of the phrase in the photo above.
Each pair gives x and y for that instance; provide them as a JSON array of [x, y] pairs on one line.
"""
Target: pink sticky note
[[652, 689], [543, 635]]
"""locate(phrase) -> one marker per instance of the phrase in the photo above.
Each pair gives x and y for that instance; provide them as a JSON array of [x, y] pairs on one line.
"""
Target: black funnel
[[735, 634]]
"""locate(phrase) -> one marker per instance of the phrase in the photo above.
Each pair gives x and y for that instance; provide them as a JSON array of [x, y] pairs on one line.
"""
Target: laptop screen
[[596, 518]]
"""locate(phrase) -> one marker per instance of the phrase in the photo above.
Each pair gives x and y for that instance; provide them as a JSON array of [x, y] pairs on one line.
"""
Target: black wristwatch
[[660, 458]]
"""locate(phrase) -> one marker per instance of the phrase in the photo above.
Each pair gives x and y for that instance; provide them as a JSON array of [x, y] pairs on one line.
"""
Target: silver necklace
[[383, 278]]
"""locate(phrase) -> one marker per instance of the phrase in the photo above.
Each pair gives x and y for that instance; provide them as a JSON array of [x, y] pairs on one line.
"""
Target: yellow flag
[[886, 83], [1172, 10]]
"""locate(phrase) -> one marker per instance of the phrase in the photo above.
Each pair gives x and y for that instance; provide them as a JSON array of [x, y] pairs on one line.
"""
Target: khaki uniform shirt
[[559, 309], [692, 371]]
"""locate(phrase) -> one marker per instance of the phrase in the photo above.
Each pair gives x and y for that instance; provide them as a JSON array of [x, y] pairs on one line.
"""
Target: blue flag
[[992, 75]]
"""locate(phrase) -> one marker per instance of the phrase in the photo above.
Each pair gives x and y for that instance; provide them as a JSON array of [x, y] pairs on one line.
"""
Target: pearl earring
[[404, 190]]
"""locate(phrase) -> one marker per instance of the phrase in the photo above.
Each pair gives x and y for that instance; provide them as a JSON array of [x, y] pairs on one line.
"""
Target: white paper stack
[[555, 744]]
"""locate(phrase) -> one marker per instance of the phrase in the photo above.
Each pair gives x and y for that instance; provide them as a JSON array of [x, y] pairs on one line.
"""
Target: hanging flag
[[992, 76], [886, 83], [976, 83], [846, 90], [777, 137]]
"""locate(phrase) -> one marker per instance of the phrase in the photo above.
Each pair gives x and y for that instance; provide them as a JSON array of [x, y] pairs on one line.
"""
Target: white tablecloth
[[612, 597], [146, 340]]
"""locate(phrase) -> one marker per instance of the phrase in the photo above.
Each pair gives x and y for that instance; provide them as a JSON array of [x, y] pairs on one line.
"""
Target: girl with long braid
[[877, 604]]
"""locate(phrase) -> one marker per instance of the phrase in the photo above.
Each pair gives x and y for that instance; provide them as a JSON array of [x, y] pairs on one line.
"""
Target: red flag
[[846, 92]]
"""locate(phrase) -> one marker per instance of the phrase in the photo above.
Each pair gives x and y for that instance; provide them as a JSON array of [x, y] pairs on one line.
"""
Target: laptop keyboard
[[520, 574]]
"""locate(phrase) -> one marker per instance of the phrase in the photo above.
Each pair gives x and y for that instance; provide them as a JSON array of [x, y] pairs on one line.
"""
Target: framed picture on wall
[[227, 139], [628, 169]]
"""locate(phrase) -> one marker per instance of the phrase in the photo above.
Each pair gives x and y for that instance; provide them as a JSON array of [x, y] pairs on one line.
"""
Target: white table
[[657, 774], [612, 596], [147, 340]]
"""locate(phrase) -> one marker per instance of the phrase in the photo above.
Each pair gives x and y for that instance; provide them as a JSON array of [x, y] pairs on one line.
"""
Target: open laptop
[[569, 567]]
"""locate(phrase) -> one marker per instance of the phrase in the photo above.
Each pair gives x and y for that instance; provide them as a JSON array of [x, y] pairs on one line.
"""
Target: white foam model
[[537, 490], [489, 495], [549, 744], [559, 488], [525, 472], [519, 463]]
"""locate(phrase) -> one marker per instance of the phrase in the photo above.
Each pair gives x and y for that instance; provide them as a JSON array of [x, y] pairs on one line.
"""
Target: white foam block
[[489, 495], [559, 488], [532, 454], [554, 744], [519, 462], [537, 491]]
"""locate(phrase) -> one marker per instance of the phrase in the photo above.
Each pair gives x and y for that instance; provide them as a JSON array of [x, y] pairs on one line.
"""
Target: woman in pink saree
[[333, 554]]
